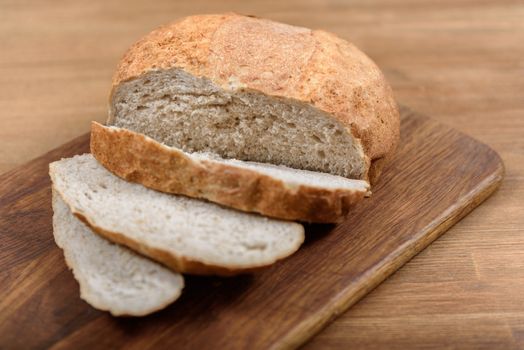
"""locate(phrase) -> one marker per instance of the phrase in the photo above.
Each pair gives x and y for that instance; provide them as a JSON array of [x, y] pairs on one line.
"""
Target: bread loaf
[[256, 90]]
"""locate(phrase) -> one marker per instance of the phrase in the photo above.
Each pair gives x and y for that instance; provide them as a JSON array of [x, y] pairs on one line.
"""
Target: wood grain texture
[[459, 61], [438, 176]]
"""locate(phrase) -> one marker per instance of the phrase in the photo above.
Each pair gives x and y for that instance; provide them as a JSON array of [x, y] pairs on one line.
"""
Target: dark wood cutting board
[[437, 177]]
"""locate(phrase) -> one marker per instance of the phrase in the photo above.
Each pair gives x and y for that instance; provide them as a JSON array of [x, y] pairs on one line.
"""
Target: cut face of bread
[[271, 190], [185, 234], [195, 115], [111, 277]]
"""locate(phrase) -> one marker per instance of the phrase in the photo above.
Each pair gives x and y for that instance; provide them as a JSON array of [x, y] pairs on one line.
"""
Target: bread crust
[[312, 66], [138, 158]]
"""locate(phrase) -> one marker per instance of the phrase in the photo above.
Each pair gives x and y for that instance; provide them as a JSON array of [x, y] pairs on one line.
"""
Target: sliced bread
[[186, 234], [257, 90], [111, 277], [271, 190]]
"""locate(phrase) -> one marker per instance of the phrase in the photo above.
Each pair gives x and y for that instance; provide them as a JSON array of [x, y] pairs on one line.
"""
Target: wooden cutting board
[[438, 176]]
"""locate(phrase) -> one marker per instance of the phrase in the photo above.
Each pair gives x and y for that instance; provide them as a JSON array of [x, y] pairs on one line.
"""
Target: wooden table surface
[[459, 61]]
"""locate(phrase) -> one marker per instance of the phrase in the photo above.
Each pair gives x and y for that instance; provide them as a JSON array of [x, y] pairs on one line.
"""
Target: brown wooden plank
[[438, 176]]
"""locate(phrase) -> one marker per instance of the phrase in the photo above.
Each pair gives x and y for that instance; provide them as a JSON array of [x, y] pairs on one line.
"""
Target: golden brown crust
[[316, 67], [137, 158]]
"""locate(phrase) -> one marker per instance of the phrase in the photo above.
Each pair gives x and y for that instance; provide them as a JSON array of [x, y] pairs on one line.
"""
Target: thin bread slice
[[270, 190], [186, 234], [111, 277]]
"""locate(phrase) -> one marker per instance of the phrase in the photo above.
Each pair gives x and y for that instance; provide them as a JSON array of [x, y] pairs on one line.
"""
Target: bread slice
[[276, 191], [188, 235], [257, 90], [111, 277]]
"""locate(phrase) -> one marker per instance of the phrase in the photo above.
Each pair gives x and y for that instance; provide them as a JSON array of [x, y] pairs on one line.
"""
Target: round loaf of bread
[[253, 89]]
